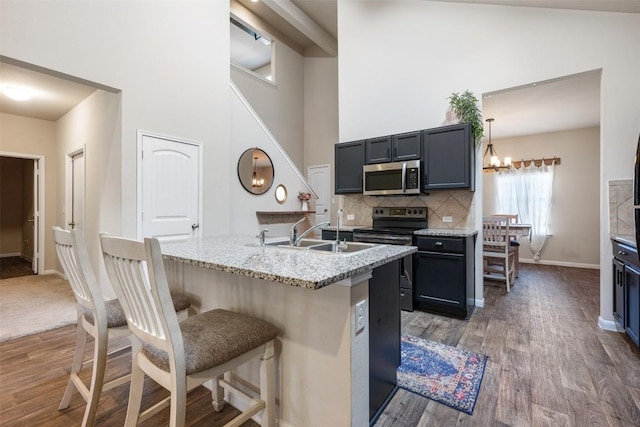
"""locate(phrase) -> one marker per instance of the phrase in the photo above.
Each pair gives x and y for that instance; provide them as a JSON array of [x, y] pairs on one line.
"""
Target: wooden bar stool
[[102, 320], [182, 356]]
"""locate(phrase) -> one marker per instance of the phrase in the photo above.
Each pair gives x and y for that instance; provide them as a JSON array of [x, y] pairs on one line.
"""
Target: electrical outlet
[[351, 217], [447, 219], [360, 311]]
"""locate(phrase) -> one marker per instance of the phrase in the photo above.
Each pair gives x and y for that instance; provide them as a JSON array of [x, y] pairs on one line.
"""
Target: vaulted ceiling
[[310, 27]]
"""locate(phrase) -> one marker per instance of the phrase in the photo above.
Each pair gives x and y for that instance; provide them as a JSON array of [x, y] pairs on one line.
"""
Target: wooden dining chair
[[496, 247], [102, 320], [513, 219], [182, 356]]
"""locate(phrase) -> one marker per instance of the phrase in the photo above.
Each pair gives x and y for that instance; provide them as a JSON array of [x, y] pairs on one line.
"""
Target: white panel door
[[170, 188], [319, 179], [77, 194]]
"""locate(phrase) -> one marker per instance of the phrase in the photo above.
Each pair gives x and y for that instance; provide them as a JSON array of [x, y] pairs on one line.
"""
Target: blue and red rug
[[439, 372]]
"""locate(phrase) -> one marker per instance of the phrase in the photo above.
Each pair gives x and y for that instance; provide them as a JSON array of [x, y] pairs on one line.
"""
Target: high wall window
[[251, 50]]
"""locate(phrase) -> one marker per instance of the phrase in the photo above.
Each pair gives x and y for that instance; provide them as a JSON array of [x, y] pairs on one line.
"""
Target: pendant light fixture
[[255, 182], [490, 160]]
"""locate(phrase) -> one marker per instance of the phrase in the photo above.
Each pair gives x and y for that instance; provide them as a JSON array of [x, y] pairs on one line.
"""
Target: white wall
[[95, 125], [575, 215], [170, 59], [399, 61], [321, 116], [38, 138], [280, 106], [246, 132]]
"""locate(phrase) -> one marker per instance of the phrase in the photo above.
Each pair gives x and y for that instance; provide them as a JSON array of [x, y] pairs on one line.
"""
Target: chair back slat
[[73, 256], [127, 264], [512, 218], [495, 232]]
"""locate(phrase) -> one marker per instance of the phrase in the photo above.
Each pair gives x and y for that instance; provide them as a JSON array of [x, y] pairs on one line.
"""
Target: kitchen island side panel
[[323, 366]]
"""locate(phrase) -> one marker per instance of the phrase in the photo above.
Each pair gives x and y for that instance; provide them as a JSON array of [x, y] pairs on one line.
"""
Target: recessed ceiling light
[[16, 93]]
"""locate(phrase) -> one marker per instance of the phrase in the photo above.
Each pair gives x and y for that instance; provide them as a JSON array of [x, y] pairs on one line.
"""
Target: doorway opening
[[21, 213]]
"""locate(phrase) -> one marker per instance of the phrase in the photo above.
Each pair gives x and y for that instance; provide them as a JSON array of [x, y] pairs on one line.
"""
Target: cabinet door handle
[[438, 244], [621, 252]]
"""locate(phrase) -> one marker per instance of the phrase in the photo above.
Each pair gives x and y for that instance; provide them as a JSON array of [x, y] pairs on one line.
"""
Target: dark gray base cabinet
[[384, 336], [444, 275], [626, 289]]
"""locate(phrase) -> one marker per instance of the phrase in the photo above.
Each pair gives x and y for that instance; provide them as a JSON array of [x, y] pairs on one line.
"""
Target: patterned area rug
[[439, 372]]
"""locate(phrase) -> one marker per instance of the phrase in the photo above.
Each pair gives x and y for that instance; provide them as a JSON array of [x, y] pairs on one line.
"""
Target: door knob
[[194, 226], [31, 220]]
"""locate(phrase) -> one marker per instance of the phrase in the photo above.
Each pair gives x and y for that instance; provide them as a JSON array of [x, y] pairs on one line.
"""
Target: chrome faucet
[[297, 240], [340, 245], [261, 236], [293, 233]]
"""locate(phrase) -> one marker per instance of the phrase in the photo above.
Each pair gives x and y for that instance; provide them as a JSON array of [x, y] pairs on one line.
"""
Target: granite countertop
[[242, 255], [627, 240], [446, 232]]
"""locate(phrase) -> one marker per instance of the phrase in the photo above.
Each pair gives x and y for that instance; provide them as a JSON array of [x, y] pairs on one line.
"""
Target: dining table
[[519, 230]]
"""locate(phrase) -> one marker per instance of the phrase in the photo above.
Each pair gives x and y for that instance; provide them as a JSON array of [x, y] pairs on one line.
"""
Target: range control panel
[[407, 213]]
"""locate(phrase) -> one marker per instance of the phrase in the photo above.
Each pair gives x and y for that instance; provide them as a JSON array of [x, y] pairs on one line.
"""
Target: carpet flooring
[[32, 304]]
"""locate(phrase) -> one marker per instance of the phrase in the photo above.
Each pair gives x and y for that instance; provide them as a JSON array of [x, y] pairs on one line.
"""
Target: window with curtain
[[528, 192]]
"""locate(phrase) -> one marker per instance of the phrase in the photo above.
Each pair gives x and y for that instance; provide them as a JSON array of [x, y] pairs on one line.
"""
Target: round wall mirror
[[281, 194], [255, 171]]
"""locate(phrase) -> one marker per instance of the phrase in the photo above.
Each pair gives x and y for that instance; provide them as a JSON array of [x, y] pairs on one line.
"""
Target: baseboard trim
[[480, 303], [562, 264], [609, 325], [10, 254], [57, 273]]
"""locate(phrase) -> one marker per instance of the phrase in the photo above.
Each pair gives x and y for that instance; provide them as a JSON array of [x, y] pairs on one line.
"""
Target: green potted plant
[[465, 106]]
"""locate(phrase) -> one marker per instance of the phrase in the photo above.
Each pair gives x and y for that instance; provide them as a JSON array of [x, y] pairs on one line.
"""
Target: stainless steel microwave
[[386, 179]]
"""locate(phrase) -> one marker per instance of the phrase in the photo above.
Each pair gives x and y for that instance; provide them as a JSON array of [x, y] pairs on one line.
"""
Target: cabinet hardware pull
[[622, 253], [438, 244]]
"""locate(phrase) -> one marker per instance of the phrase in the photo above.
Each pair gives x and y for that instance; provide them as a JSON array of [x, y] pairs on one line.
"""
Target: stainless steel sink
[[323, 246]]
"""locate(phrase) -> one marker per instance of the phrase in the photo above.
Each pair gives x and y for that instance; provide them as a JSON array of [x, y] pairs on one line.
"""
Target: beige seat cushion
[[115, 313], [213, 338]]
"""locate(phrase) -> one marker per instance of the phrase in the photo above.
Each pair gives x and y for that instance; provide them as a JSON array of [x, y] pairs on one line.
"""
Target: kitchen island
[[311, 297]]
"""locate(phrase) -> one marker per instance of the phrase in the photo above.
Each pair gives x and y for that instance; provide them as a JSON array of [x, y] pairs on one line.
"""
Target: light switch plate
[[447, 219], [351, 217]]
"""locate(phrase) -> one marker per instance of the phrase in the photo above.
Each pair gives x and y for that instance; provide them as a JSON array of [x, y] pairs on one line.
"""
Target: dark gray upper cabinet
[[393, 148], [448, 158], [406, 146], [349, 160], [377, 150]]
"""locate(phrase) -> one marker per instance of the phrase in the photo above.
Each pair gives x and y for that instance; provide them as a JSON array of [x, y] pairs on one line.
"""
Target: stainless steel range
[[395, 226]]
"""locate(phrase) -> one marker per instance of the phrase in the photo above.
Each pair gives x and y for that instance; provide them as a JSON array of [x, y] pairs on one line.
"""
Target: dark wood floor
[[14, 266], [549, 364]]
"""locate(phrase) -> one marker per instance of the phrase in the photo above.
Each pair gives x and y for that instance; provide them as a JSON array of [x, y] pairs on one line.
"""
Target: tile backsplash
[[621, 222], [456, 204]]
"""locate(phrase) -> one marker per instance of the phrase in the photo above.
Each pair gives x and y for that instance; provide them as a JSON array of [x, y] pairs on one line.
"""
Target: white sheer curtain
[[527, 191]]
